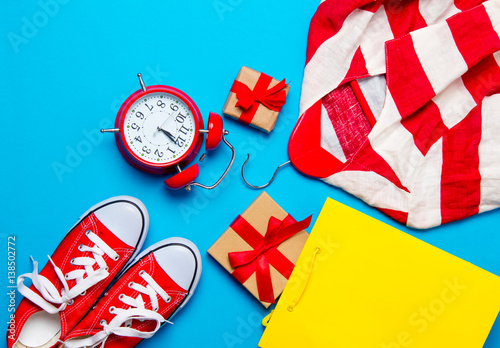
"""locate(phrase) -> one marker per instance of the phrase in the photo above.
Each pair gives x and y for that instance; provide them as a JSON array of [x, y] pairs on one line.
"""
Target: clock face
[[159, 128]]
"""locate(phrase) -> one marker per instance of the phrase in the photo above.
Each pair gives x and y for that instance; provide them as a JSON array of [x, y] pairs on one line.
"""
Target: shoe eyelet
[[116, 258], [83, 293], [112, 309], [141, 272], [169, 299], [106, 268], [66, 276], [72, 261], [87, 232], [155, 309], [128, 324], [121, 297], [130, 284], [102, 322], [71, 302], [80, 247]]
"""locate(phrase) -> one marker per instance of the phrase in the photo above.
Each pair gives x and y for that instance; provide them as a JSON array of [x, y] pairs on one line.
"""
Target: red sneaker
[[104, 240], [151, 290]]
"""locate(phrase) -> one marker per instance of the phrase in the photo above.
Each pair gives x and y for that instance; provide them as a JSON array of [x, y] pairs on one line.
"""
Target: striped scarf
[[400, 106]]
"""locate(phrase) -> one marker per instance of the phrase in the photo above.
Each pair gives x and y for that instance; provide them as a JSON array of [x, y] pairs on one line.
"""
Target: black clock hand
[[168, 134]]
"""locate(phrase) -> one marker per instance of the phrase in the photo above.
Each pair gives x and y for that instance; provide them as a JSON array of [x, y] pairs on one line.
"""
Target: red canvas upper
[[67, 250], [90, 325]]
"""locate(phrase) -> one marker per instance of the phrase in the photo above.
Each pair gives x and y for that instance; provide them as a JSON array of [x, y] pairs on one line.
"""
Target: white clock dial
[[159, 127]]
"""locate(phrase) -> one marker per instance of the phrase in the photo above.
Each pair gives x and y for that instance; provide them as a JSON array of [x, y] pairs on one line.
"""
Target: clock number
[[169, 149], [146, 150], [180, 118], [160, 104], [174, 107], [150, 108], [180, 141], [138, 138], [135, 126], [183, 129], [158, 153], [139, 115]]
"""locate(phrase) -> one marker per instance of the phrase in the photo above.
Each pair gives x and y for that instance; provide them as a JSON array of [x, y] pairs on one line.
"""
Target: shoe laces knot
[[121, 323], [85, 277]]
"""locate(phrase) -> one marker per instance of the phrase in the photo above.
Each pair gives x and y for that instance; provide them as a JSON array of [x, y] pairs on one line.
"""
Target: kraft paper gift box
[[264, 252], [256, 99]]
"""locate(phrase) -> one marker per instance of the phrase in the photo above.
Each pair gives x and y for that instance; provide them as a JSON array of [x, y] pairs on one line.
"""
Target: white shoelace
[[137, 311], [50, 294]]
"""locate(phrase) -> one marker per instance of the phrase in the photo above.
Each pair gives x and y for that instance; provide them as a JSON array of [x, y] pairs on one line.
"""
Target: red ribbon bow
[[273, 98], [264, 252]]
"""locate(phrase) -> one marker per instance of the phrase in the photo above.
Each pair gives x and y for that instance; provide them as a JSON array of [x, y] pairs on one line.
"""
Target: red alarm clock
[[159, 129]]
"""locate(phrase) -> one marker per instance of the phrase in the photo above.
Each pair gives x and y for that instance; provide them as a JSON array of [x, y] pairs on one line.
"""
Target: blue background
[[65, 69]]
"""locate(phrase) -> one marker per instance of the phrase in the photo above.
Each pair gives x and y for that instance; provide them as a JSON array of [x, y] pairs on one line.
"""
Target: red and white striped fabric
[[400, 106]]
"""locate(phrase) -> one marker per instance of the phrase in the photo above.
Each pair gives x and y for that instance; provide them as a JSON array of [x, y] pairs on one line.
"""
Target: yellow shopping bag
[[360, 283]]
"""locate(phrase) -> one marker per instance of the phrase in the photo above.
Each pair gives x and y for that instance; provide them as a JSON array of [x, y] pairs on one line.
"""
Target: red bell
[[183, 178], [215, 131]]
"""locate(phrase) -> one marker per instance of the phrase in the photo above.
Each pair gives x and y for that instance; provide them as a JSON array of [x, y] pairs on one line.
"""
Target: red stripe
[[406, 78], [366, 159], [358, 67], [426, 126], [474, 35], [399, 216], [362, 102], [483, 79], [348, 120], [328, 20], [404, 16], [460, 178]]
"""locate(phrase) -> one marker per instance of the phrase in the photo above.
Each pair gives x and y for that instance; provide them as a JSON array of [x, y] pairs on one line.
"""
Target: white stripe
[[373, 89], [372, 188], [329, 65], [395, 143], [439, 55], [489, 154], [437, 11], [493, 10], [496, 55], [373, 41], [454, 103], [329, 140], [425, 204]]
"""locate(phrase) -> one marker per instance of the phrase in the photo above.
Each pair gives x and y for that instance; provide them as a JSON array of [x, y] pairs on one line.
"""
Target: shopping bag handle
[[297, 299]]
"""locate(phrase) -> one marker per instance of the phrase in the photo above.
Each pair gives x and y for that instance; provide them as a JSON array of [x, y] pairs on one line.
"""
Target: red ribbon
[[264, 252], [249, 100]]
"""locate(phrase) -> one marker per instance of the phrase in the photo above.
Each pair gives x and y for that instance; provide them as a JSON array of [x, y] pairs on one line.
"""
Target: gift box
[[256, 99], [260, 248]]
